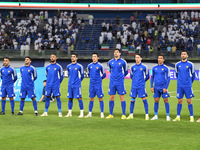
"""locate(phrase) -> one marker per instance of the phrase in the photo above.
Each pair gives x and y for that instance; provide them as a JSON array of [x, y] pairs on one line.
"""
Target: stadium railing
[[86, 54]]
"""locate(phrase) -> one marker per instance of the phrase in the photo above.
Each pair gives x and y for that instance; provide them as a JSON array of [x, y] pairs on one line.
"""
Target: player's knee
[[189, 102], [165, 100], [180, 101], [112, 97]]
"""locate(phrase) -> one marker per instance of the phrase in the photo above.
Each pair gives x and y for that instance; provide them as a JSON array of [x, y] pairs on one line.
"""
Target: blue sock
[[101, 106], [91, 106], [179, 107], [22, 105], [59, 104], [146, 106], [35, 105], [190, 107], [167, 108], [3, 103], [47, 103], [70, 104], [156, 106], [111, 106], [123, 105], [80, 104], [12, 104], [132, 105]]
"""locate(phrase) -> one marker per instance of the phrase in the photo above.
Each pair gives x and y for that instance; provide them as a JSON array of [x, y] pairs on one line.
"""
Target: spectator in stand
[[87, 39], [90, 17], [173, 50]]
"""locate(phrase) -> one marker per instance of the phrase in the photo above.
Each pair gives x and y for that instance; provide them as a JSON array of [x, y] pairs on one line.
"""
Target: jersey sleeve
[[14, 75], [103, 72], [21, 72], [81, 72], [152, 78], [61, 73], [176, 70], [131, 72], [192, 72], [46, 72], [68, 73], [125, 67], [168, 78], [88, 70], [146, 73], [0, 73], [109, 66], [34, 74]]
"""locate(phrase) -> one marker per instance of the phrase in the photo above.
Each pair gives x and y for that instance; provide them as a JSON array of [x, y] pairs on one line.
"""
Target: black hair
[[161, 55], [117, 49], [28, 57], [74, 54], [7, 58], [184, 51], [95, 53]]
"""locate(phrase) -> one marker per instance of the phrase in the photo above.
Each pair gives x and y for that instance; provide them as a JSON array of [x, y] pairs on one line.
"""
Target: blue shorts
[[74, 92], [7, 91], [159, 92], [184, 90], [29, 92], [141, 92], [119, 88], [55, 91], [96, 90]]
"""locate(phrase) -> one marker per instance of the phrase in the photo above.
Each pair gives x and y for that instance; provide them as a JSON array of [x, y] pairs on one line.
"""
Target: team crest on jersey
[[119, 63], [8, 71], [28, 70], [75, 68], [187, 66], [162, 69], [140, 68], [97, 67], [54, 68]]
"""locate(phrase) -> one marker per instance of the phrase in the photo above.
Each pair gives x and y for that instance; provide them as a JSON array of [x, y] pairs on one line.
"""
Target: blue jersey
[[139, 75], [29, 75], [118, 70], [75, 74], [8, 76], [160, 77], [96, 72], [54, 73], [185, 73]]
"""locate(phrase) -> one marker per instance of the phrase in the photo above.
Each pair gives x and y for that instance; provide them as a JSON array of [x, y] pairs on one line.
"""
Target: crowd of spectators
[[170, 32], [59, 32], [19, 34]]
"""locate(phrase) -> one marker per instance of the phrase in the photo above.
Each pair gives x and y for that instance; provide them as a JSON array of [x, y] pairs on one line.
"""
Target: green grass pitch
[[53, 133]]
